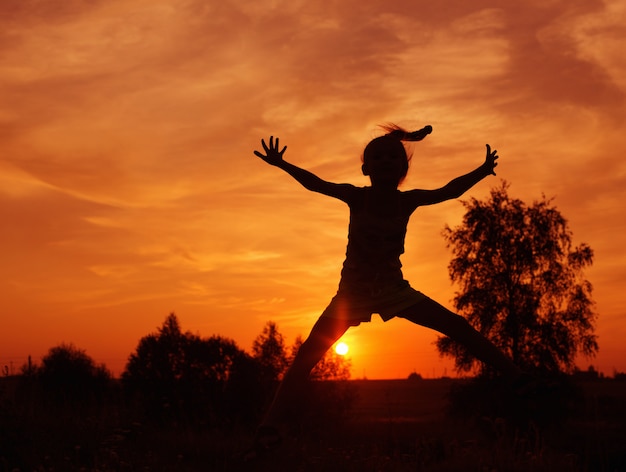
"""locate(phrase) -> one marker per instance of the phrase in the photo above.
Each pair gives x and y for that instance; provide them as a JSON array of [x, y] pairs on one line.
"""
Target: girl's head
[[386, 158]]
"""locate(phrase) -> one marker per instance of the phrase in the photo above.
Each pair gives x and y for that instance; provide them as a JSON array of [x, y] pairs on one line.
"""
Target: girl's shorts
[[358, 306]]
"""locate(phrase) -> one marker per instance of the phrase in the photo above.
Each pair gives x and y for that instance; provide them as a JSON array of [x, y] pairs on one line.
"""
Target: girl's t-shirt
[[375, 244], [371, 277]]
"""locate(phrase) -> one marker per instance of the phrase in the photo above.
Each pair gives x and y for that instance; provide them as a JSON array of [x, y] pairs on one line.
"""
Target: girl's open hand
[[272, 155], [490, 160]]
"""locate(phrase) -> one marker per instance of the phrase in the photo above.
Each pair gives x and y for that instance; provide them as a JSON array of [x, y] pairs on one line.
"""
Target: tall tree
[[181, 376], [522, 284], [269, 350]]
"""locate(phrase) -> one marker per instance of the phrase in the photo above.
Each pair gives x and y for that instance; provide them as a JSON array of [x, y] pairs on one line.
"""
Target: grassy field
[[393, 425]]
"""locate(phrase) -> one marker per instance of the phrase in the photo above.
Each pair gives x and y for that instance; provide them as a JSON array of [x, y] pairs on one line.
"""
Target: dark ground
[[393, 425]]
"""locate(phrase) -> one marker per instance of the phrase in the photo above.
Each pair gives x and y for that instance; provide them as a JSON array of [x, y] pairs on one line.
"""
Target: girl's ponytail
[[403, 135]]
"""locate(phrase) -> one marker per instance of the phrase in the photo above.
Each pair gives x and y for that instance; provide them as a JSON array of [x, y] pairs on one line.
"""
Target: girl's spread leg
[[432, 315], [324, 334]]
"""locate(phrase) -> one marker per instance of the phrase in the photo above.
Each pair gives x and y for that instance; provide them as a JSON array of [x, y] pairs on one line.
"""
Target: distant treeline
[[176, 377]]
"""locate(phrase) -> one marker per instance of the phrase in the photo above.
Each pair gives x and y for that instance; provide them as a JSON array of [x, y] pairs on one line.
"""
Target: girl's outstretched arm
[[307, 179], [456, 187]]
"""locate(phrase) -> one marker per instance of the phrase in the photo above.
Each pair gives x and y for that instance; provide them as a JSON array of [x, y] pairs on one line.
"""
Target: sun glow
[[341, 349]]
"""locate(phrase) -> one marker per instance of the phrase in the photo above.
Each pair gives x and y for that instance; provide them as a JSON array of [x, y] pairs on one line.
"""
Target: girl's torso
[[375, 241]]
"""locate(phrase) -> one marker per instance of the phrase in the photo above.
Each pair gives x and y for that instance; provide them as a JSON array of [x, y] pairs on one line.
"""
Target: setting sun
[[341, 349]]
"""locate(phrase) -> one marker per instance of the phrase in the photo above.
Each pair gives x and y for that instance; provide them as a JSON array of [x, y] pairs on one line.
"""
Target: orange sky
[[128, 187]]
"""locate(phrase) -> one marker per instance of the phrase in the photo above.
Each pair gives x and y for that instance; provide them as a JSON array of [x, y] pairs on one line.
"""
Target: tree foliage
[[181, 377], [522, 283], [269, 350], [69, 376]]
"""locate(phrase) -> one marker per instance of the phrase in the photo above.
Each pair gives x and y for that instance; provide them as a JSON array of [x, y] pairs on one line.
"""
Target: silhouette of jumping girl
[[371, 278]]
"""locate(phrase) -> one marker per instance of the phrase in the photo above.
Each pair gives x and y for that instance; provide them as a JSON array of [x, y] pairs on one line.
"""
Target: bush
[[178, 378], [68, 377]]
